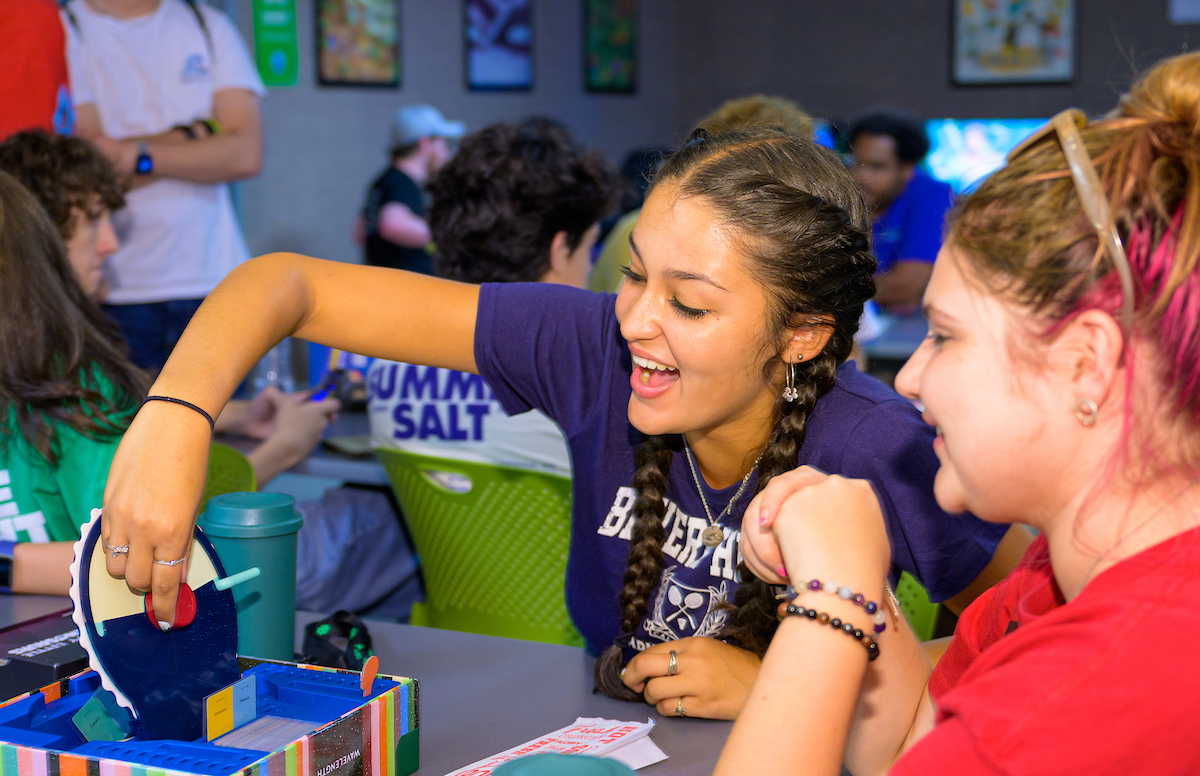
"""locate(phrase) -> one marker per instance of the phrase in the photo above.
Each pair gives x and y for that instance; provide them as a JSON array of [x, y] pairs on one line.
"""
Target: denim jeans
[[152, 329]]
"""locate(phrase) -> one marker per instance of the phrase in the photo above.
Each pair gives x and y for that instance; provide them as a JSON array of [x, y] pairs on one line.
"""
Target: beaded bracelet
[[866, 639], [878, 618]]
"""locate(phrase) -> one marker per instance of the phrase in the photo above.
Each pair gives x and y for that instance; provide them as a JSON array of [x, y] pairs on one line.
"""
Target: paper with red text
[[627, 742]]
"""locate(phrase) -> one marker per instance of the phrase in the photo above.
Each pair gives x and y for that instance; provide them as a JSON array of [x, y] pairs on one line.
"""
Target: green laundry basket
[[493, 546], [229, 471], [920, 612]]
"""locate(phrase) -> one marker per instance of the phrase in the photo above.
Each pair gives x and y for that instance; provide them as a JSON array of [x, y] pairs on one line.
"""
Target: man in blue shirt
[[910, 207]]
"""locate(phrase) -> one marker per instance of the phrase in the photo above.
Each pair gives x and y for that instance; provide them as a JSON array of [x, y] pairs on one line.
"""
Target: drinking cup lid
[[250, 515]]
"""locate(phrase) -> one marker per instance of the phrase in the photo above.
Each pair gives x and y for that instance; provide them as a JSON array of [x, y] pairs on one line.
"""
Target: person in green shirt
[[67, 392], [66, 395]]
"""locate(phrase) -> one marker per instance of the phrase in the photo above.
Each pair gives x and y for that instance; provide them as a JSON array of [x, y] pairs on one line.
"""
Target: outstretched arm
[[157, 476]]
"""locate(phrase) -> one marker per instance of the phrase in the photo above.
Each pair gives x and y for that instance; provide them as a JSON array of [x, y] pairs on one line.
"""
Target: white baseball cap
[[413, 122]]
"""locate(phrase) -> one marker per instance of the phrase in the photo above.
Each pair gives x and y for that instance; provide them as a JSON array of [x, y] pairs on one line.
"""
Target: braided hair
[[806, 237]]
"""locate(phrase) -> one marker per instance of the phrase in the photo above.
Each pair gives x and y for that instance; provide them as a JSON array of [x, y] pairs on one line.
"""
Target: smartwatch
[[144, 164], [6, 565]]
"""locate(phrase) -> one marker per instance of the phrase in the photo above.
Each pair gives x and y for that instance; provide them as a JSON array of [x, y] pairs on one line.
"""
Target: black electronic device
[[39, 652]]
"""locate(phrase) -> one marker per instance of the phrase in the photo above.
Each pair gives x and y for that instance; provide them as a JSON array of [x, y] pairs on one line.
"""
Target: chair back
[[920, 612], [492, 542], [229, 471]]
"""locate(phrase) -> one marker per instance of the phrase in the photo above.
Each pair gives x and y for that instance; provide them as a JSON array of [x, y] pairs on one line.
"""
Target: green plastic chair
[[493, 546], [920, 612], [229, 471]]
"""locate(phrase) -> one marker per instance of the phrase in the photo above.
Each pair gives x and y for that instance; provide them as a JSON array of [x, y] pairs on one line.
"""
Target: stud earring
[[1086, 411]]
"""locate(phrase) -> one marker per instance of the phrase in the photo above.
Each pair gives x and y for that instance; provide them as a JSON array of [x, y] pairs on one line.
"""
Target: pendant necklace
[[714, 534]]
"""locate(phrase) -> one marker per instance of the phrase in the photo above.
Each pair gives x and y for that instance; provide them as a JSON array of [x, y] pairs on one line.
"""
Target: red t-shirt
[[1104, 684], [33, 88]]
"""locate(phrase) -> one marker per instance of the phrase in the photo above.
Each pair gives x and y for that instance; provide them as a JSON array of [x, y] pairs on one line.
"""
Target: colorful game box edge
[[381, 735]]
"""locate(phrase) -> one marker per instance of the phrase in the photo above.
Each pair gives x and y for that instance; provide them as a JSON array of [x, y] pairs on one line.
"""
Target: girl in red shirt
[[1062, 370]]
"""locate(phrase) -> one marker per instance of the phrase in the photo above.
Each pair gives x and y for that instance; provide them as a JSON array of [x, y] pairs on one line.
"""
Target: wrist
[[143, 163], [188, 416], [824, 618], [285, 450]]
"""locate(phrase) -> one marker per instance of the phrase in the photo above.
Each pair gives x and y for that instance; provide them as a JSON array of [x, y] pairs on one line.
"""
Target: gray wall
[[324, 144], [837, 57]]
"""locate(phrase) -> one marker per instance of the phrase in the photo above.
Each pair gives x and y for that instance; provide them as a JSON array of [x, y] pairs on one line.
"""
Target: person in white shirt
[[516, 203], [167, 89]]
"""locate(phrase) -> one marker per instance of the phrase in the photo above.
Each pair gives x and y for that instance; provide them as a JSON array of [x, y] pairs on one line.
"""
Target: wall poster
[[498, 44], [1013, 41], [358, 42], [610, 45]]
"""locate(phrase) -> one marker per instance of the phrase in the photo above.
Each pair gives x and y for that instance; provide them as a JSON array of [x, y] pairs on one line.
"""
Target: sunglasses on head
[[1066, 126]]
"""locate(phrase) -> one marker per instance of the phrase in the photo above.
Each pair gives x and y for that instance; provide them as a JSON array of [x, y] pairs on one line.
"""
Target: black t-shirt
[[393, 186]]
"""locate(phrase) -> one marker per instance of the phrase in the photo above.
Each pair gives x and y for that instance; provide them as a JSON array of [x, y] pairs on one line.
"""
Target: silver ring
[[672, 663], [122, 550], [680, 711], [171, 562]]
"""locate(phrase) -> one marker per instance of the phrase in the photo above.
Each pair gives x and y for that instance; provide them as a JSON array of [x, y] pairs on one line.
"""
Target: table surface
[[481, 695]]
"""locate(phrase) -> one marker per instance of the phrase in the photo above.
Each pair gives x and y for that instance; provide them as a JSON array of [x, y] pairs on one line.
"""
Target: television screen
[[962, 152], [824, 133]]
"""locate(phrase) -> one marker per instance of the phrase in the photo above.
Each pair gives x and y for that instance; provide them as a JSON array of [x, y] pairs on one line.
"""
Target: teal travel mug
[[259, 529]]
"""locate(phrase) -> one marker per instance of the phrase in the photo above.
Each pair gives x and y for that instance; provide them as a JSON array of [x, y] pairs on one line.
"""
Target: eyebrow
[[677, 274], [930, 312]]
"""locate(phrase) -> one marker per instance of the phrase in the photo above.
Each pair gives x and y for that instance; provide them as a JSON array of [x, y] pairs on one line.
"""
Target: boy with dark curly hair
[[517, 203], [78, 188]]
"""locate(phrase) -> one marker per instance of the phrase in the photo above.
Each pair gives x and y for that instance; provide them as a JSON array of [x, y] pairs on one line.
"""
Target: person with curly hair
[[1062, 371], [518, 203], [719, 365], [78, 188]]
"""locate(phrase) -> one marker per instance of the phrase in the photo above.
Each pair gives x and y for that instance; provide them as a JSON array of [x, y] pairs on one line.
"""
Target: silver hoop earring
[[1086, 411], [790, 393]]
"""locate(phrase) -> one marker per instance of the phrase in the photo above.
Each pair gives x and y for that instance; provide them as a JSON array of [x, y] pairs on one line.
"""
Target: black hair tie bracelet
[[866, 639], [212, 426]]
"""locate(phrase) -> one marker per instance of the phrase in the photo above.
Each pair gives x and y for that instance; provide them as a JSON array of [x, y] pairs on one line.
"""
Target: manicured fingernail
[[164, 625], [781, 571]]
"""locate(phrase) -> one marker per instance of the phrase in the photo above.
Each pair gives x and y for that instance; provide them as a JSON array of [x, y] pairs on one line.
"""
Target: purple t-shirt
[[559, 350]]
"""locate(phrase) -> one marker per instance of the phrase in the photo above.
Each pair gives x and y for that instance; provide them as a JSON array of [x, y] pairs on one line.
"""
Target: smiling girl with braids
[[718, 366]]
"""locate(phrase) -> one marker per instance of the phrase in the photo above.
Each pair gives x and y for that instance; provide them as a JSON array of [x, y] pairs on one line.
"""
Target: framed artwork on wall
[[498, 44], [610, 45], [358, 42], [1013, 42]]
